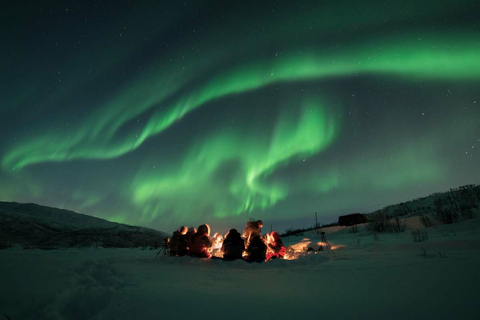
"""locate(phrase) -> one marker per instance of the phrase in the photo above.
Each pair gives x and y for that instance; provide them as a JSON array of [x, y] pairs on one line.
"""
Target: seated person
[[252, 228], [233, 246], [256, 250], [276, 249], [183, 244], [200, 242], [217, 245], [176, 240]]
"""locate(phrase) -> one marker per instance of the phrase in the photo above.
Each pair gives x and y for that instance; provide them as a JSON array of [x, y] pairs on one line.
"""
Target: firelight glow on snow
[[169, 113]]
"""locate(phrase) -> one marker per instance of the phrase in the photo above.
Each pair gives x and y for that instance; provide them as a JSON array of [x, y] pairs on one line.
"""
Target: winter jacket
[[182, 248], [199, 243], [251, 230], [233, 247], [174, 243], [256, 251], [276, 250]]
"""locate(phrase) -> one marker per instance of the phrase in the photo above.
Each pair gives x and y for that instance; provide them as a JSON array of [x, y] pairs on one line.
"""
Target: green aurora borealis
[[163, 114]]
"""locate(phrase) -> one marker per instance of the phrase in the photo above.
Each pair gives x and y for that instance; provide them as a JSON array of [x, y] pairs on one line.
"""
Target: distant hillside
[[30, 224], [446, 207], [459, 199]]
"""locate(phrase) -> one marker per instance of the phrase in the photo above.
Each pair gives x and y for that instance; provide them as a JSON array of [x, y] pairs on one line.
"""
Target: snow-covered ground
[[386, 278]]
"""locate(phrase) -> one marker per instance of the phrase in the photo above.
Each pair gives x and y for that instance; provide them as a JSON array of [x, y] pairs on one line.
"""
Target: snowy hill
[[460, 199], [34, 225]]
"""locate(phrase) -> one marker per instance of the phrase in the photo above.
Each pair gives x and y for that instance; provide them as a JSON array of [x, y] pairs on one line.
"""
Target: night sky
[[163, 113]]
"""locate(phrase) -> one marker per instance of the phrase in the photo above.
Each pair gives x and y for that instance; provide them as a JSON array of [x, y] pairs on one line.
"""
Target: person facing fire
[[191, 231], [217, 245], [183, 241], [259, 225], [256, 250], [177, 240], [233, 246], [252, 228], [200, 242], [276, 249]]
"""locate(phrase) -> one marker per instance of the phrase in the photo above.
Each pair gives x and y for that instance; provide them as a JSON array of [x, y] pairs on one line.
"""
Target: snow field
[[391, 277]]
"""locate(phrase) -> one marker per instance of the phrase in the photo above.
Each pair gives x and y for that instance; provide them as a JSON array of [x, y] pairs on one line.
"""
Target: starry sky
[[163, 113]]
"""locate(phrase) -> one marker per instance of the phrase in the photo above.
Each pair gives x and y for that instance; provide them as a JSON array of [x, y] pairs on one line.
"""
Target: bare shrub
[[442, 255], [467, 212], [419, 235], [397, 225], [5, 245], [381, 222], [378, 222], [353, 229], [444, 211], [423, 252], [426, 221]]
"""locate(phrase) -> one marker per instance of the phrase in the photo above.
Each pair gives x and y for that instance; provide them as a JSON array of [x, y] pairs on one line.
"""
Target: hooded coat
[[199, 243], [233, 246], [256, 251], [276, 249], [174, 243]]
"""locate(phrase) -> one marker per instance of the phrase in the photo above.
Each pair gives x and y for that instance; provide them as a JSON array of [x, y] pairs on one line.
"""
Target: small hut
[[351, 219]]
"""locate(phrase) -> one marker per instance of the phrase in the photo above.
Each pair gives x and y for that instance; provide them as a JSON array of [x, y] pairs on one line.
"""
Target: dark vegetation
[[426, 221], [444, 211], [419, 235], [460, 203], [447, 207], [380, 222]]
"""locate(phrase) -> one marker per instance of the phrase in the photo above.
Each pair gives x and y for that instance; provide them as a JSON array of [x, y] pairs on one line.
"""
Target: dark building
[[351, 219]]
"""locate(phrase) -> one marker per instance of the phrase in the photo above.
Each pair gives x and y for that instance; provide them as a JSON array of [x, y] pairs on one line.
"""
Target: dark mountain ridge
[[30, 224]]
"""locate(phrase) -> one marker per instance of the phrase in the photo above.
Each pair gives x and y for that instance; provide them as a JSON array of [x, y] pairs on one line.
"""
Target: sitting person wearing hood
[[256, 250], [177, 241], [217, 241], [276, 249], [233, 246], [183, 244], [252, 228], [200, 242]]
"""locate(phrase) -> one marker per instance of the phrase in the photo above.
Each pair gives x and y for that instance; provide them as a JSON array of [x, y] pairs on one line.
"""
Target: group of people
[[250, 246]]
